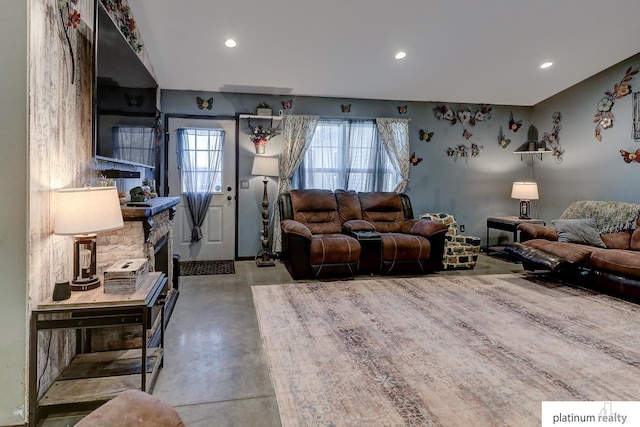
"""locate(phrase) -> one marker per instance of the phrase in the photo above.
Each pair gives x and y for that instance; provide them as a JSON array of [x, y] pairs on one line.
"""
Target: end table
[[507, 223]]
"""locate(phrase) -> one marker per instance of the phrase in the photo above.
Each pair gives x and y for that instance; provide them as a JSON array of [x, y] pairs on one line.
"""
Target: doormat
[[200, 268]]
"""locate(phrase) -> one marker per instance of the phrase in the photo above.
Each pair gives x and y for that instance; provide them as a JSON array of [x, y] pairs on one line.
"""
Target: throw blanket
[[611, 217]]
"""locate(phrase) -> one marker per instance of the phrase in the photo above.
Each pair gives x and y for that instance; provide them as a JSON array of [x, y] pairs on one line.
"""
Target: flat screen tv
[[125, 114]]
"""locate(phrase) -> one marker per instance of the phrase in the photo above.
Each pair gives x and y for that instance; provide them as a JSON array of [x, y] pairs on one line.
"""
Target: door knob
[[229, 197]]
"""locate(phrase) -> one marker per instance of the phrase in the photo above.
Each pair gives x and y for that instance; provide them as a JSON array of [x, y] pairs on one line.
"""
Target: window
[[201, 160], [346, 154]]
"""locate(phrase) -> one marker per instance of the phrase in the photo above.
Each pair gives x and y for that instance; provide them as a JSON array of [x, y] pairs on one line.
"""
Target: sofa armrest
[[290, 226], [537, 231], [424, 227], [358, 225]]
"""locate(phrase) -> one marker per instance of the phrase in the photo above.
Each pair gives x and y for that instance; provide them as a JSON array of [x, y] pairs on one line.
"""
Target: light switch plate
[[244, 184]]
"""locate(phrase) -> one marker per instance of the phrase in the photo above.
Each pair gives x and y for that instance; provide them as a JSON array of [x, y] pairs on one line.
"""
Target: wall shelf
[[255, 116], [538, 154]]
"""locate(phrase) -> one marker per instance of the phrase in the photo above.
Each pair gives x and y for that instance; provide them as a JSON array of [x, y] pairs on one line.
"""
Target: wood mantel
[[136, 211]]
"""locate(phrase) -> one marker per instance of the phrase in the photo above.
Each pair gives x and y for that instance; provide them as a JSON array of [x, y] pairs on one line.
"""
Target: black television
[[125, 109]]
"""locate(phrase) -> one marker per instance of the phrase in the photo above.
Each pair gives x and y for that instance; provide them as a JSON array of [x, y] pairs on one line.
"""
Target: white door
[[219, 227]]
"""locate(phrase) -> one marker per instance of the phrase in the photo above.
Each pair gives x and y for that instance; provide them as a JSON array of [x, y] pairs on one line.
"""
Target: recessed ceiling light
[[230, 43], [546, 65], [401, 55]]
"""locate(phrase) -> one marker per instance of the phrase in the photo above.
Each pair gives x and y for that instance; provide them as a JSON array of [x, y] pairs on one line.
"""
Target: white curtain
[[296, 137], [200, 162], [394, 134]]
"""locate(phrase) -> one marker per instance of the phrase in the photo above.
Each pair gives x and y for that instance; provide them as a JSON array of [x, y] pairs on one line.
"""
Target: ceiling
[[463, 51]]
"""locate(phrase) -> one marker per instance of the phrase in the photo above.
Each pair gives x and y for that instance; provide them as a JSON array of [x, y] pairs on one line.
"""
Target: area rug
[[443, 351], [199, 268]]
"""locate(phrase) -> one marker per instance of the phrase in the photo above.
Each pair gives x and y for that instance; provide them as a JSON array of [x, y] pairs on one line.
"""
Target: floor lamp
[[265, 166]]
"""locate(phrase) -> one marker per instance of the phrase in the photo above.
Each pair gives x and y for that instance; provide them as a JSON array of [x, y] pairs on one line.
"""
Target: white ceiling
[[464, 51]]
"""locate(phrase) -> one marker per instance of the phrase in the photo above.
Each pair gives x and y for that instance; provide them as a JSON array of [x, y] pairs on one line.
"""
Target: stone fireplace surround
[[147, 233]]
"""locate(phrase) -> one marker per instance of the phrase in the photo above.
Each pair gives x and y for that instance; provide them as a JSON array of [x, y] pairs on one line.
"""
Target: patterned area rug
[[443, 351], [199, 268]]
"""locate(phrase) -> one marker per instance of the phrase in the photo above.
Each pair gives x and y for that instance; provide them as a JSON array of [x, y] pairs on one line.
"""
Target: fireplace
[[147, 233]]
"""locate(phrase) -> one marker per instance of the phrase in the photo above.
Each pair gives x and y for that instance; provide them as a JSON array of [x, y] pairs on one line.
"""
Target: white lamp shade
[[265, 166], [524, 191], [87, 210]]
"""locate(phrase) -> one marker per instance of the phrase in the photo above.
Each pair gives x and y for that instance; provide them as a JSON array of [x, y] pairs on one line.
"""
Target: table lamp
[[525, 191], [83, 212], [265, 166]]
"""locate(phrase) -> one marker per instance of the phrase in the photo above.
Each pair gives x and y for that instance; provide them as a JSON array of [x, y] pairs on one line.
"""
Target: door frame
[[165, 169]]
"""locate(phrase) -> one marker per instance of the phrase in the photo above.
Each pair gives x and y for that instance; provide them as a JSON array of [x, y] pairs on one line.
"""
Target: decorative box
[[125, 276]]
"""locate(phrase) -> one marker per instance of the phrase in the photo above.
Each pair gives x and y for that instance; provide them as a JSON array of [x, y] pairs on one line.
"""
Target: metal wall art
[[204, 103], [514, 125], [69, 19], [121, 14], [415, 160], [630, 157], [346, 108], [402, 109], [503, 141], [463, 115], [604, 116], [462, 151], [426, 135], [286, 105], [552, 140]]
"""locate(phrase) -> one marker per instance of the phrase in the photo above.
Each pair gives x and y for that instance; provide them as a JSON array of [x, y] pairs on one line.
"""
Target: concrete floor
[[215, 371]]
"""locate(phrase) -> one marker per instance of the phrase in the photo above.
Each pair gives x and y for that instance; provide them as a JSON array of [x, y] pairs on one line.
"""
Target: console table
[[93, 378], [507, 223]]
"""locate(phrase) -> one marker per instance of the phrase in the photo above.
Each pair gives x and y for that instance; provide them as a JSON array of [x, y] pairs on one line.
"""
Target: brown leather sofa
[[343, 233], [614, 267]]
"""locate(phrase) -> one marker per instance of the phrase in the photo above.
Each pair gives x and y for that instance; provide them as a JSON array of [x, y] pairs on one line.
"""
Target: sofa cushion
[[317, 209], [348, 205], [383, 210], [578, 231], [619, 240], [573, 253], [404, 247], [618, 261], [334, 249], [634, 244]]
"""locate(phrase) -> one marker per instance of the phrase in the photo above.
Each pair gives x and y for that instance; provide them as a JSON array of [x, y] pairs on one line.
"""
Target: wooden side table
[[93, 378], [507, 223]]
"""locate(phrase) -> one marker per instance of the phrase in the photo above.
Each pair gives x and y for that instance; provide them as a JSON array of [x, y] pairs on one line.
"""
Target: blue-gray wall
[[471, 189]]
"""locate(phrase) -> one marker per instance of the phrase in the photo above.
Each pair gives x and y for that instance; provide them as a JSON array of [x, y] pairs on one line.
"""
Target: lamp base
[[265, 263], [525, 208], [85, 284]]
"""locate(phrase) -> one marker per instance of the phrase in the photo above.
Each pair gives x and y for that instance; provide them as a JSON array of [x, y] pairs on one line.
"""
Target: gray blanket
[[611, 217]]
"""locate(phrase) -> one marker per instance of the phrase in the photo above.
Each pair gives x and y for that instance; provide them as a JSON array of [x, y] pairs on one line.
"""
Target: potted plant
[[263, 109], [260, 136]]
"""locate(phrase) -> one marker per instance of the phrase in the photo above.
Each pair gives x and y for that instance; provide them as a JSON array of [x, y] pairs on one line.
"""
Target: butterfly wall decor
[[476, 150], [414, 159], [514, 126], [503, 141], [466, 134], [630, 157], [426, 135], [287, 104], [204, 103], [402, 109], [134, 101], [346, 108]]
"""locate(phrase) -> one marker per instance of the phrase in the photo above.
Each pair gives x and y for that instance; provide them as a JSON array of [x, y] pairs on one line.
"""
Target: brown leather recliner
[[313, 244], [378, 227], [408, 245]]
